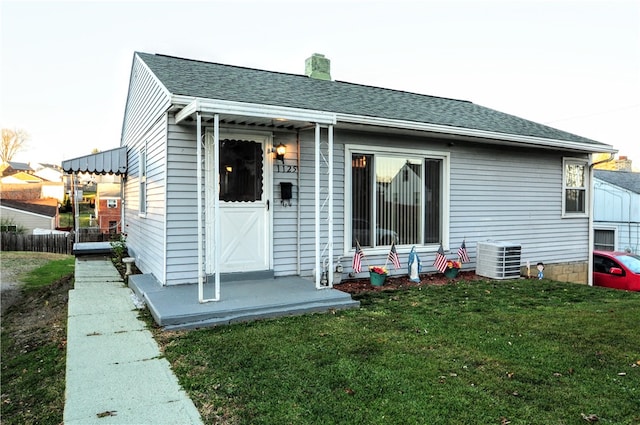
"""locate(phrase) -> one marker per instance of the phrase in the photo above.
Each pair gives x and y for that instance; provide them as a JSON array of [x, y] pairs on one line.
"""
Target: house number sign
[[283, 168]]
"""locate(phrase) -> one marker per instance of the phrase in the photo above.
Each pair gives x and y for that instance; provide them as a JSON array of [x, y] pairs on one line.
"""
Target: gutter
[[591, 197], [445, 130]]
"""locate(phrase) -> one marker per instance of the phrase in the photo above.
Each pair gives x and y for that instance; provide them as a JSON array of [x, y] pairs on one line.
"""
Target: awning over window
[[113, 161]]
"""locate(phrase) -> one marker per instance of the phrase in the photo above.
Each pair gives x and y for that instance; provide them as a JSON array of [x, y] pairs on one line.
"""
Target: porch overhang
[[113, 161], [259, 114]]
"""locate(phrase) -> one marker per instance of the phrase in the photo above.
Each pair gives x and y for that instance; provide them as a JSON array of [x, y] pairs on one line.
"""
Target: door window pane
[[241, 164]]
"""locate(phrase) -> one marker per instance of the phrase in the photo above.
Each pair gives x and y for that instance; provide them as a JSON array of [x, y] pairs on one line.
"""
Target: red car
[[620, 270]]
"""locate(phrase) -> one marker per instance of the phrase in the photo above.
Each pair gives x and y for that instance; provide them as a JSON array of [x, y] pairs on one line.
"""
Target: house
[[108, 207], [20, 177], [231, 170], [616, 211], [48, 172], [8, 168], [28, 216]]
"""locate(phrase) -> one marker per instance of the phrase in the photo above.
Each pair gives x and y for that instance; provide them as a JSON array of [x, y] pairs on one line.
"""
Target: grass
[[33, 342], [514, 352], [48, 273]]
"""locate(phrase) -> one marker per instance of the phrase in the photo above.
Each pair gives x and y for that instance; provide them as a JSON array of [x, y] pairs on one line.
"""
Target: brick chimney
[[318, 67]]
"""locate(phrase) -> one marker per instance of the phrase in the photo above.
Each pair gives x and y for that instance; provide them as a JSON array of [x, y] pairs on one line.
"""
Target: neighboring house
[[206, 194], [30, 216], [48, 172], [8, 168], [616, 211], [32, 191], [108, 207], [21, 177]]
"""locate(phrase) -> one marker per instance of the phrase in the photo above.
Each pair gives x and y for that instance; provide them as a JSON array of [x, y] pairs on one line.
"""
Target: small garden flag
[[357, 259], [462, 253], [440, 262], [393, 256]]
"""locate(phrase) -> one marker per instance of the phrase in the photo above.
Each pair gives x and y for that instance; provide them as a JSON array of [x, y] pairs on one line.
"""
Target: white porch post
[[200, 261], [318, 269], [216, 204], [324, 251], [330, 195], [216, 233]]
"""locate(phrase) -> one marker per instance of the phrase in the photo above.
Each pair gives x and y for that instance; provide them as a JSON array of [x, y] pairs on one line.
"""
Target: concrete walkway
[[114, 371]]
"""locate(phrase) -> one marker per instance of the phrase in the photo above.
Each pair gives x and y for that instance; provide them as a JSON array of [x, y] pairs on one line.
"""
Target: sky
[[570, 64]]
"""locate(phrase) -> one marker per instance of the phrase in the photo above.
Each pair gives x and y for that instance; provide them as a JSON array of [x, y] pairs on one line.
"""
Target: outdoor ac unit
[[498, 260]]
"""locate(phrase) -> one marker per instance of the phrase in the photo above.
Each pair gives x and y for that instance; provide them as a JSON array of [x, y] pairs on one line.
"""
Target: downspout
[[591, 198]]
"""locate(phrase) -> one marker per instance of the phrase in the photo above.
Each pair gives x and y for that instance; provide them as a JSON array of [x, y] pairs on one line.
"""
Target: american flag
[[440, 262], [462, 253], [357, 259], [393, 256]]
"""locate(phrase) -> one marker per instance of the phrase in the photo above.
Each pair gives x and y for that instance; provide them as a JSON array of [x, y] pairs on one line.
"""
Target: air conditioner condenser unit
[[498, 260]]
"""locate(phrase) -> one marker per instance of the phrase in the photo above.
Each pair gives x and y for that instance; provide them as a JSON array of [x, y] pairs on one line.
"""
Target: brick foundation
[[575, 272]]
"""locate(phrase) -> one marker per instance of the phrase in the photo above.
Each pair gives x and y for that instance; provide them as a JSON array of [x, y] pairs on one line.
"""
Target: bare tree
[[13, 141]]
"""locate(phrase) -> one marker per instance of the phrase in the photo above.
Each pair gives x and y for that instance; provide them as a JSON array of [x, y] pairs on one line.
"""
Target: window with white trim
[[395, 197], [112, 203], [574, 185], [142, 179]]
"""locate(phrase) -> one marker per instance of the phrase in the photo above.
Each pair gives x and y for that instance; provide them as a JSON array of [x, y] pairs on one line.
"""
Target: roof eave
[[498, 138], [188, 106]]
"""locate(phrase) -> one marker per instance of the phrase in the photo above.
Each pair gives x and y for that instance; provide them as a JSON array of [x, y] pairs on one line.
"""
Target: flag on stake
[[393, 256], [463, 254], [357, 259], [440, 263]]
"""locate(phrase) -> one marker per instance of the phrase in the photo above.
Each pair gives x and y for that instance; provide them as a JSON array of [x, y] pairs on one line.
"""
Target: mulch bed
[[358, 286]]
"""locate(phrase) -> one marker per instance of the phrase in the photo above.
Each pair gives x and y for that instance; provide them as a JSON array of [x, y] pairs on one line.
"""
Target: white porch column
[[318, 267], [324, 249], [216, 232]]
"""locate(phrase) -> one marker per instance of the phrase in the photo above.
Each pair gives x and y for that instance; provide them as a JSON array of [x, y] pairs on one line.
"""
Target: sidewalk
[[114, 372]]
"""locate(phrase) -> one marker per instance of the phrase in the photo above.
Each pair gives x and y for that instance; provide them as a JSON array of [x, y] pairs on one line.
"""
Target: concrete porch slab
[[177, 307]]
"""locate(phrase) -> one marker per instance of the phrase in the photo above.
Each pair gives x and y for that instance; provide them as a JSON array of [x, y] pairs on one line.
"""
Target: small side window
[[574, 186], [142, 177]]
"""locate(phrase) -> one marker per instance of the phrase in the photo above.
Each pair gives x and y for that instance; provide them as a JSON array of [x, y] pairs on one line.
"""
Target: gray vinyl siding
[[285, 218], [513, 195], [144, 126], [181, 205], [496, 193], [307, 199]]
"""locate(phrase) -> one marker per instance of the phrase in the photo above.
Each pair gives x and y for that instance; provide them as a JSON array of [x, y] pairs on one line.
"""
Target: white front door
[[244, 204]]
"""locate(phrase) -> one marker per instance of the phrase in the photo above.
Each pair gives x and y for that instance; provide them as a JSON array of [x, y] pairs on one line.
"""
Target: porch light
[[280, 151]]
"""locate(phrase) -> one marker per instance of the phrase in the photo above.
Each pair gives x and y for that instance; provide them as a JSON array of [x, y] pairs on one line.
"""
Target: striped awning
[[113, 161]]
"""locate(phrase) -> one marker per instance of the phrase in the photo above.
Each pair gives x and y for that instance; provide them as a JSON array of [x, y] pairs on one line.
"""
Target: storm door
[[244, 205]]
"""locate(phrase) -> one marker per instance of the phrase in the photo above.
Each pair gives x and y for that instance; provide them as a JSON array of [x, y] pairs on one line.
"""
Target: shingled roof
[[624, 179], [232, 83], [40, 209]]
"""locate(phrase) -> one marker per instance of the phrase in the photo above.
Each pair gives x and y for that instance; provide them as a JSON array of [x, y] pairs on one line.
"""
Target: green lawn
[[49, 272], [519, 352]]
